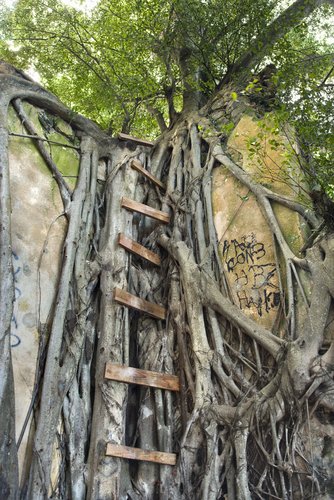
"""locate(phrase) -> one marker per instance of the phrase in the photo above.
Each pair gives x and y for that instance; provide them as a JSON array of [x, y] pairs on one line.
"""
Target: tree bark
[[238, 424]]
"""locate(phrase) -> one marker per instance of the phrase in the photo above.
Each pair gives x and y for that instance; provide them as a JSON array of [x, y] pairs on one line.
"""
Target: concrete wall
[[38, 229]]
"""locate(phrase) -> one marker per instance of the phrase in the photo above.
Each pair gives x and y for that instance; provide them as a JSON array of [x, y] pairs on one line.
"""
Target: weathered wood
[[141, 142], [127, 299], [159, 457], [138, 249], [131, 375], [136, 165], [145, 210]]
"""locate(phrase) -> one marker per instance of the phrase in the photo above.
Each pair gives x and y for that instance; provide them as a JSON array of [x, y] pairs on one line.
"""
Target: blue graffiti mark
[[18, 268], [16, 257], [14, 320], [18, 292], [16, 272], [16, 338]]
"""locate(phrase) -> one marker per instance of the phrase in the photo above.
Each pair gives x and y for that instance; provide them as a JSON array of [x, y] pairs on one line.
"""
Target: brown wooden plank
[[138, 249], [141, 142], [159, 457], [136, 165], [130, 375], [127, 299], [145, 210]]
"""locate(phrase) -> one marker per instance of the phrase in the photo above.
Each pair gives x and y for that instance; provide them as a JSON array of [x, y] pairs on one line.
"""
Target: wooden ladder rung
[[127, 299], [141, 142], [131, 375], [138, 249], [134, 206], [136, 165], [159, 457]]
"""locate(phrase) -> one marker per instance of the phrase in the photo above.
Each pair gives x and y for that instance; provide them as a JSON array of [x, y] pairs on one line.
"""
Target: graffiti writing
[[254, 278], [263, 275], [15, 339], [247, 251], [263, 302]]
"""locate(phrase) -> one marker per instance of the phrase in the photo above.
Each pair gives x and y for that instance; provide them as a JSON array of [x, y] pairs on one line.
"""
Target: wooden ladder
[[127, 374]]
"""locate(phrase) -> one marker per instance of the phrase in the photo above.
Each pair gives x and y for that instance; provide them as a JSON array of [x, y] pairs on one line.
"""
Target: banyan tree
[[169, 295]]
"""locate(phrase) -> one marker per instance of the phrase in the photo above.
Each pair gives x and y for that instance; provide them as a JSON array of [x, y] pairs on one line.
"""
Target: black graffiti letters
[[15, 339], [247, 251], [263, 275], [263, 301], [248, 302], [253, 277], [241, 278], [271, 300]]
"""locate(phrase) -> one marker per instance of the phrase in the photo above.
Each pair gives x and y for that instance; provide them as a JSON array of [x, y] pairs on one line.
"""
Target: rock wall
[[245, 240]]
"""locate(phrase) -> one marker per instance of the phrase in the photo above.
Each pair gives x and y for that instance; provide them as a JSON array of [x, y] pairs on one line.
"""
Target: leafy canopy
[[127, 63], [125, 54]]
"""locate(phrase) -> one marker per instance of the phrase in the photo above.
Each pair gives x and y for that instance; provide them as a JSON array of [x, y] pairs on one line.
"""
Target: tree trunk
[[255, 395]]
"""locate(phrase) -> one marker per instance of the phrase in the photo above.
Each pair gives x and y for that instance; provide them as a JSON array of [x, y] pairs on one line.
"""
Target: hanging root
[[238, 425]]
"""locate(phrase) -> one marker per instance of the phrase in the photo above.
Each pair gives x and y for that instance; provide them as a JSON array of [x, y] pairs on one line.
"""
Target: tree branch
[[64, 190], [169, 94], [288, 19], [12, 87], [258, 191], [323, 83], [158, 116], [213, 298]]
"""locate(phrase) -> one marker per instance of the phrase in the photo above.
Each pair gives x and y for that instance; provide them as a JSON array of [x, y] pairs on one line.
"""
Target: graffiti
[[238, 253], [15, 339], [262, 275], [264, 302], [241, 280], [254, 279]]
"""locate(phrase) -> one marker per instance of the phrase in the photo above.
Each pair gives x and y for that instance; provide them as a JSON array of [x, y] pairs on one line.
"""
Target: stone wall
[[245, 240], [38, 229]]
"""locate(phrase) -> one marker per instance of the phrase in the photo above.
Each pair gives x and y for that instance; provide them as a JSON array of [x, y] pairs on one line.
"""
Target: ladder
[[127, 374]]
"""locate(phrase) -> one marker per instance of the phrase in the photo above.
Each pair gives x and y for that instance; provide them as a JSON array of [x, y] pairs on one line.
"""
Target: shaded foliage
[[130, 65]]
